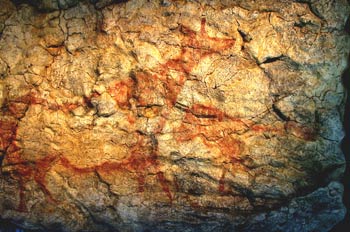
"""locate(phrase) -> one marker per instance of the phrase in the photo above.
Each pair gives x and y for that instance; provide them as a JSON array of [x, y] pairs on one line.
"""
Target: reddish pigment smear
[[142, 159], [195, 47], [222, 182], [201, 121], [122, 92], [165, 186], [42, 166], [7, 133], [304, 132], [24, 172]]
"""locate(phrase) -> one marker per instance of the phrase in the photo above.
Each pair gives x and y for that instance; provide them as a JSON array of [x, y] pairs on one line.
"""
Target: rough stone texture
[[172, 115]]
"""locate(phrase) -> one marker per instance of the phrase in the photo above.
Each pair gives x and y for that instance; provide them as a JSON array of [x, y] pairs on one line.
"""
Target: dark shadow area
[[345, 224], [6, 226]]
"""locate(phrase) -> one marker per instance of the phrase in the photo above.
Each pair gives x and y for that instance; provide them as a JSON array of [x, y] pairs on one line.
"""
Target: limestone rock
[[172, 115]]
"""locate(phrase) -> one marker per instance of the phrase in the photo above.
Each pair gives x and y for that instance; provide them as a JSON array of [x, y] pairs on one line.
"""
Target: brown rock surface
[[172, 115]]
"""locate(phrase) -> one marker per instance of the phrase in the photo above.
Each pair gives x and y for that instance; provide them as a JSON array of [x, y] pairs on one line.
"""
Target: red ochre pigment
[[203, 121]]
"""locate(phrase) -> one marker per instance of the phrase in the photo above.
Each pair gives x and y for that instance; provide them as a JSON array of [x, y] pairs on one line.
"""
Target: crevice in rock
[[272, 59], [347, 27], [99, 4], [246, 37], [181, 107], [312, 8], [346, 148], [2, 156], [93, 217], [279, 113]]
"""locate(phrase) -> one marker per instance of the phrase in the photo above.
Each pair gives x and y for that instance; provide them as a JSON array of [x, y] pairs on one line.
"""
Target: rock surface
[[172, 115]]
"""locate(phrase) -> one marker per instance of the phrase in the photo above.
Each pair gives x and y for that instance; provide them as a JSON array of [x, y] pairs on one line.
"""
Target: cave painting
[[212, 126]]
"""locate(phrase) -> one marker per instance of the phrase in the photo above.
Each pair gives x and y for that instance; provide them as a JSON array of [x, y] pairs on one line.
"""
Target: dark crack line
[[279, 113]]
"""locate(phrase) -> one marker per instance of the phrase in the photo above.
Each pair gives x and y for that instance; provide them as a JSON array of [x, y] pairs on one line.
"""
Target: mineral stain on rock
[[172, 115]]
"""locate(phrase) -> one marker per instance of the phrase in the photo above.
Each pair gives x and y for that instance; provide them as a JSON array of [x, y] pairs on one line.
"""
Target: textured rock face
[[172, 115]]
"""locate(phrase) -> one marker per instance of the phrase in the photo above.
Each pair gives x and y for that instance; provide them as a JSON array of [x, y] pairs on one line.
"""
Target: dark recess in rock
[[344, 225]]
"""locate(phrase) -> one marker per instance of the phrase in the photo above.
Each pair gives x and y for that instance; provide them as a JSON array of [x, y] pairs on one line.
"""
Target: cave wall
[[172, 115]]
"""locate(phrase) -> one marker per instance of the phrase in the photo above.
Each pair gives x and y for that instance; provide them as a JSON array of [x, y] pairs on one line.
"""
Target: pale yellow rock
[[172, 115]]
